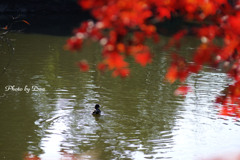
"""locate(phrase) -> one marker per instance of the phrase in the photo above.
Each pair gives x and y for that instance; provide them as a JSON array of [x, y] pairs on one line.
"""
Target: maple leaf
[[86, 4], [73, 44], [83, 65], [182, 90], [122, 72], [164, 12], [210, 31], [143, 58], [203, 54], [208, 8], [25, 22], [138, 37], [149, 30], [172, 73], [234, 22], [224, 111], [176, 38], [228, 49], [102, 67], [190, 6], [115, 60], [194, 68], [121, 47]]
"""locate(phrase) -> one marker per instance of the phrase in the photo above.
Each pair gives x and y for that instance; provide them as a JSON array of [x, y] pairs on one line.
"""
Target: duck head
[[97, 106]]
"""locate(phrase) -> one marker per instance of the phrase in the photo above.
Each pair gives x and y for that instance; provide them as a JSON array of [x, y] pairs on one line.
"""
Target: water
[[142, 119]]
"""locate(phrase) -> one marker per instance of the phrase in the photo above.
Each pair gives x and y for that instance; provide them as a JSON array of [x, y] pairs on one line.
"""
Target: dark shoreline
[[60, 17], [53, 17]]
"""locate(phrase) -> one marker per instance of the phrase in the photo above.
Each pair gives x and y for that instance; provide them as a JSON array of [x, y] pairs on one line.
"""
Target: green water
[[141, 119]]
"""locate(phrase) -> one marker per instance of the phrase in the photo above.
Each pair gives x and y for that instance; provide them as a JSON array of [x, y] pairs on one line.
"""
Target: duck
[[97, 111]]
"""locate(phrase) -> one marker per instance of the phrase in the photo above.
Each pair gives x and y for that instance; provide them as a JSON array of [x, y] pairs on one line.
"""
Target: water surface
[[142, 119]]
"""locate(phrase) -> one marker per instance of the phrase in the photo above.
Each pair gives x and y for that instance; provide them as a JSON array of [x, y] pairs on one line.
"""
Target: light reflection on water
[[141, 118], [201, 132], [197, 132]]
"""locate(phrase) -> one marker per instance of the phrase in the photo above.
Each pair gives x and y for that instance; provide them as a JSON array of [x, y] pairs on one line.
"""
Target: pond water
[[142, 119]]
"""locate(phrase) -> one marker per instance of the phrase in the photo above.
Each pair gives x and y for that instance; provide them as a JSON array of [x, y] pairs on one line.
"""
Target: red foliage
[[116, 61], [25, 22], [122, 28], [83, 65], [182, 90], [86, 4], [102, 67], [143, 58], [209, 32], [231, 101], [172, 73], [234, 23], [164, 12], [64, 156], [73, 44], [122, 72], [31, 157], [205, 53], [230, 110], [174, 41], [177, 70]]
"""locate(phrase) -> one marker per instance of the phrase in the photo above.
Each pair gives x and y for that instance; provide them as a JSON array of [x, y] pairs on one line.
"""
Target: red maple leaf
[[83, 65], [182, 90], [115, 60], [86, 4], [224, 111], [234, 22], [122, 72], [210, 31], [176, 38], [172, 73], [73, 44], [102, 67], [143, 58], [164, 12]]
